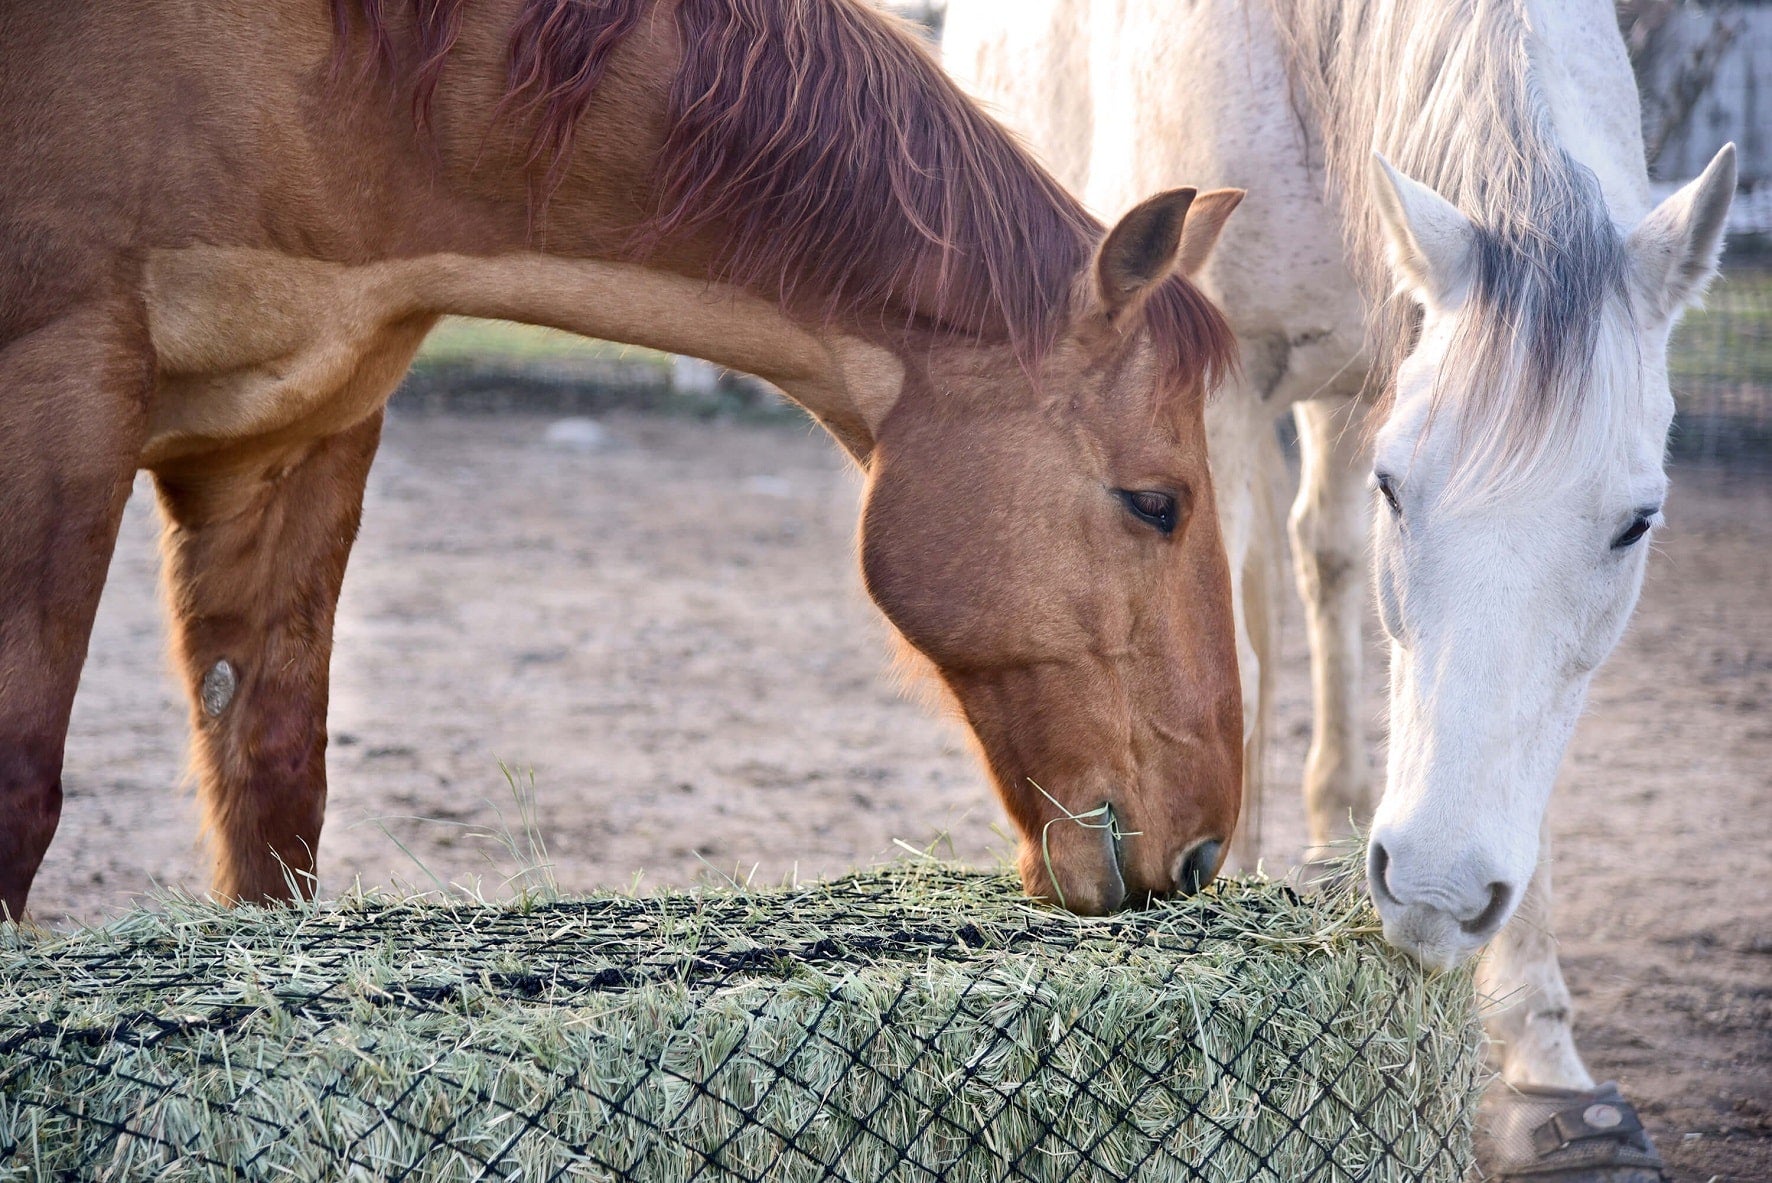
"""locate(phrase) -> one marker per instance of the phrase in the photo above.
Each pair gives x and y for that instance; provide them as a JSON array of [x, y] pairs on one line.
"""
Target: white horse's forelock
[[1548, 264], [1521, 434]]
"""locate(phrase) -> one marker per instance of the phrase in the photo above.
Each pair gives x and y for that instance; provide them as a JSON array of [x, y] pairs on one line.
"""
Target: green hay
[[914, 1022]]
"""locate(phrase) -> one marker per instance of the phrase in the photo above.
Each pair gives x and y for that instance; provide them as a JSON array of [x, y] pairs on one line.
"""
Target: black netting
[[908, 1024]]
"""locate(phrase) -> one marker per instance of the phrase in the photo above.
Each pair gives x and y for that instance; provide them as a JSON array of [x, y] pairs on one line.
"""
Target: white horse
[[1448, 228]]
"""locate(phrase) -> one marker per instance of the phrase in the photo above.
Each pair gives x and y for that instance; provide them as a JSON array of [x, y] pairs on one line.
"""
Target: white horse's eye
[[1389, 493], [1635, 531]]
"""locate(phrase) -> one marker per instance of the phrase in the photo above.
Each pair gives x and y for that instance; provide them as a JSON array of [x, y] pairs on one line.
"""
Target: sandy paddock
[[666, 625]]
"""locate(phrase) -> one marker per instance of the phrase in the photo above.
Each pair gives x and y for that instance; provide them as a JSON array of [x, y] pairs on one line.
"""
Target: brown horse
[[225, 229]]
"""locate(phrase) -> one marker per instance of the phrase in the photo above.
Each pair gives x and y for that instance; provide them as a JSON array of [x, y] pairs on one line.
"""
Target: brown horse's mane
[[839, 164]]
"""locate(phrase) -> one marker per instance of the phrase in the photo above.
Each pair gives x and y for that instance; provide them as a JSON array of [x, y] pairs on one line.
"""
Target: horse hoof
[[1545, 1135]]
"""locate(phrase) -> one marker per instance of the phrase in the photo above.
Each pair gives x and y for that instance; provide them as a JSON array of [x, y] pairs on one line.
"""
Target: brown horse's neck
[[844, 376], [806, 150]]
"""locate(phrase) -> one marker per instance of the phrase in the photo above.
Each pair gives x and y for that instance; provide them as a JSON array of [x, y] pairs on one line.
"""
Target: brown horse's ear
[[1140, 251], [1205, 220]]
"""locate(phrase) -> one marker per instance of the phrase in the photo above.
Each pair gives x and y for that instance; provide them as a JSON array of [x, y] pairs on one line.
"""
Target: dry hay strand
[[912, 1022]]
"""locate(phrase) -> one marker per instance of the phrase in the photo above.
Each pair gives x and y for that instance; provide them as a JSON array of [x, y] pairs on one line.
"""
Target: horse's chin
[[1433, 938]]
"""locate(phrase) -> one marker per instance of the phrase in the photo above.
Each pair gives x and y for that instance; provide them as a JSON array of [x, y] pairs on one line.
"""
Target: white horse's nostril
[[1489, 919], [1436, 911], [1378, 866]]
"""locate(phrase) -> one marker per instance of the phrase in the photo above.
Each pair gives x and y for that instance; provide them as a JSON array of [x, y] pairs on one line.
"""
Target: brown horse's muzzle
[[1076, 862], [1092, 864]]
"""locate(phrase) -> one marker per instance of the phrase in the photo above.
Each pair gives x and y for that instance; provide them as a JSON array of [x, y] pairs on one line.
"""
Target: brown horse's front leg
[[255, 555], [72, 396]]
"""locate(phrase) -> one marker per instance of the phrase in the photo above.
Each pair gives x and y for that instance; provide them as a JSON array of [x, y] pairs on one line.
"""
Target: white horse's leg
[[1245, 461], [1529, 1009], [1258, 629], [1329, 523], [1546, 1121]]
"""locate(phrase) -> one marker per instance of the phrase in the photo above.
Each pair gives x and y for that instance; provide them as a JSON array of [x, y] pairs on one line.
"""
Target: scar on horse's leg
[[255, 555], [1528, 1009], [1329, 525], [72, 400]]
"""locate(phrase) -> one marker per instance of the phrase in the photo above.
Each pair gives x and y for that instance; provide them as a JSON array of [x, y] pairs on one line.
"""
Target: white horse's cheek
[[1390, 613], [1607, 626]]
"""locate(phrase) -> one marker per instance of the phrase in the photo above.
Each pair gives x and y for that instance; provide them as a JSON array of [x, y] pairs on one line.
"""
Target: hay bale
[[916, 1022]]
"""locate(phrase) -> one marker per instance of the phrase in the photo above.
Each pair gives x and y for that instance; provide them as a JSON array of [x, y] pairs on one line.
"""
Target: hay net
[[914, 1023]]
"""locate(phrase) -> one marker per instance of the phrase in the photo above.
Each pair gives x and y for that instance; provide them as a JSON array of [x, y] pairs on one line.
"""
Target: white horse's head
[[1510, 539]]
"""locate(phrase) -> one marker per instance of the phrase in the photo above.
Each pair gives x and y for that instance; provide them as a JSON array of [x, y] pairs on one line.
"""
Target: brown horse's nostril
[[1115, 888], [1087, 876], [1116, 837], [1195, 868]]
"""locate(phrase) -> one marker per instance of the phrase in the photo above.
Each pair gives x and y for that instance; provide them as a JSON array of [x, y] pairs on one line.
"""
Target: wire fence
[[910, 1024], [1720, 366]]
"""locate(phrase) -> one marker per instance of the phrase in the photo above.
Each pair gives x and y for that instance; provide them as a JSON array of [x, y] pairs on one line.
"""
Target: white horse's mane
[[1444, 88]]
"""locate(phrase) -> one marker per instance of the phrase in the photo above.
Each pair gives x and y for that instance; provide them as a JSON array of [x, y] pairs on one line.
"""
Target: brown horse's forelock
[[840, 166]]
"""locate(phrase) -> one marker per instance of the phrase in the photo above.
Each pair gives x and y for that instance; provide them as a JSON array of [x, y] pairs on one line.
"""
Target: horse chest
[[256, 345]]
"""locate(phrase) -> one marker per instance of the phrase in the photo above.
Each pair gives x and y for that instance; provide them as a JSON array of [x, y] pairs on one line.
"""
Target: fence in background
[[1721, 370], [1720, 366]]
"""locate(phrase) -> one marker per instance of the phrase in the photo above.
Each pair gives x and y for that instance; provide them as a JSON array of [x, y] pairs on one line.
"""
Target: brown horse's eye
[[1152, 507]]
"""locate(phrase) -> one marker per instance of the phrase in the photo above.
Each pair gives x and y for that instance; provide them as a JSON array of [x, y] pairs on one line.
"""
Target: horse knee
[[1328, 544], [1325, 572], [290, 748], [272, 750]]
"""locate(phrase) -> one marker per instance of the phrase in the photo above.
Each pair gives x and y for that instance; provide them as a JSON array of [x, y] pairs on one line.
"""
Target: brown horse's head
[[1046, 537]]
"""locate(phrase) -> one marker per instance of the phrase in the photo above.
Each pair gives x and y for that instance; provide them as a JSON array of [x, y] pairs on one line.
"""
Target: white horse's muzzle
[[1439, 921]]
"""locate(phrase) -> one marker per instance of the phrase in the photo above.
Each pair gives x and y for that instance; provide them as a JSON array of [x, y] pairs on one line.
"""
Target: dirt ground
[[666, 626]]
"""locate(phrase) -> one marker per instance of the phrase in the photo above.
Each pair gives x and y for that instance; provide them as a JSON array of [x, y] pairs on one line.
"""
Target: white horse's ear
[[1674, 251], [1205, 222], [1430, 241], [1139, 252]]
